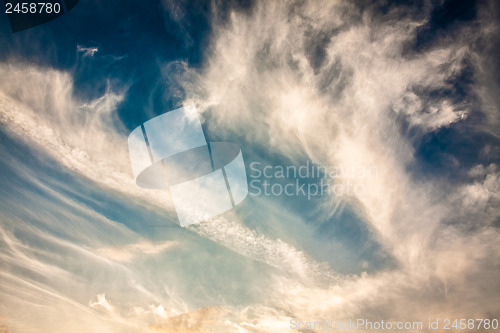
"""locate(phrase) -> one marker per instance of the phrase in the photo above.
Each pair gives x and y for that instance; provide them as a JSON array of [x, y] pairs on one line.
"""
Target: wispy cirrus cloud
[[87, 51], [338, 83], [131, 251]]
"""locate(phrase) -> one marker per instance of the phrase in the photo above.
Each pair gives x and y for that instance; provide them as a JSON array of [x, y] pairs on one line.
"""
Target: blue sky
[[408, 89]]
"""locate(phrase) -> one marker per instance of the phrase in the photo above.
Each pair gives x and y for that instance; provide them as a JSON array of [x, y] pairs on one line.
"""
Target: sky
[[390, 107]]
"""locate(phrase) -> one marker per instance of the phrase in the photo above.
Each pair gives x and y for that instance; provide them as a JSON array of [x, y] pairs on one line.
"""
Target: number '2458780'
[[33, 8]]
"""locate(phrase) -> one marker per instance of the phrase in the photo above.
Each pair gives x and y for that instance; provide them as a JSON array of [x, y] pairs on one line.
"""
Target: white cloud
[[102, 302], [259, 81], [129, 252], [37, 107], [86, 137], [87, 51]]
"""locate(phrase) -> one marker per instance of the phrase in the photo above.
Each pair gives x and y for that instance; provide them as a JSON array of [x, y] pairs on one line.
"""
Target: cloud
[[225, 319], [102, 302], [87, 51], [86, 137], [325, 81], [200, 320], [38, 107], [129, 252], [341, 103], [273, 252]]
